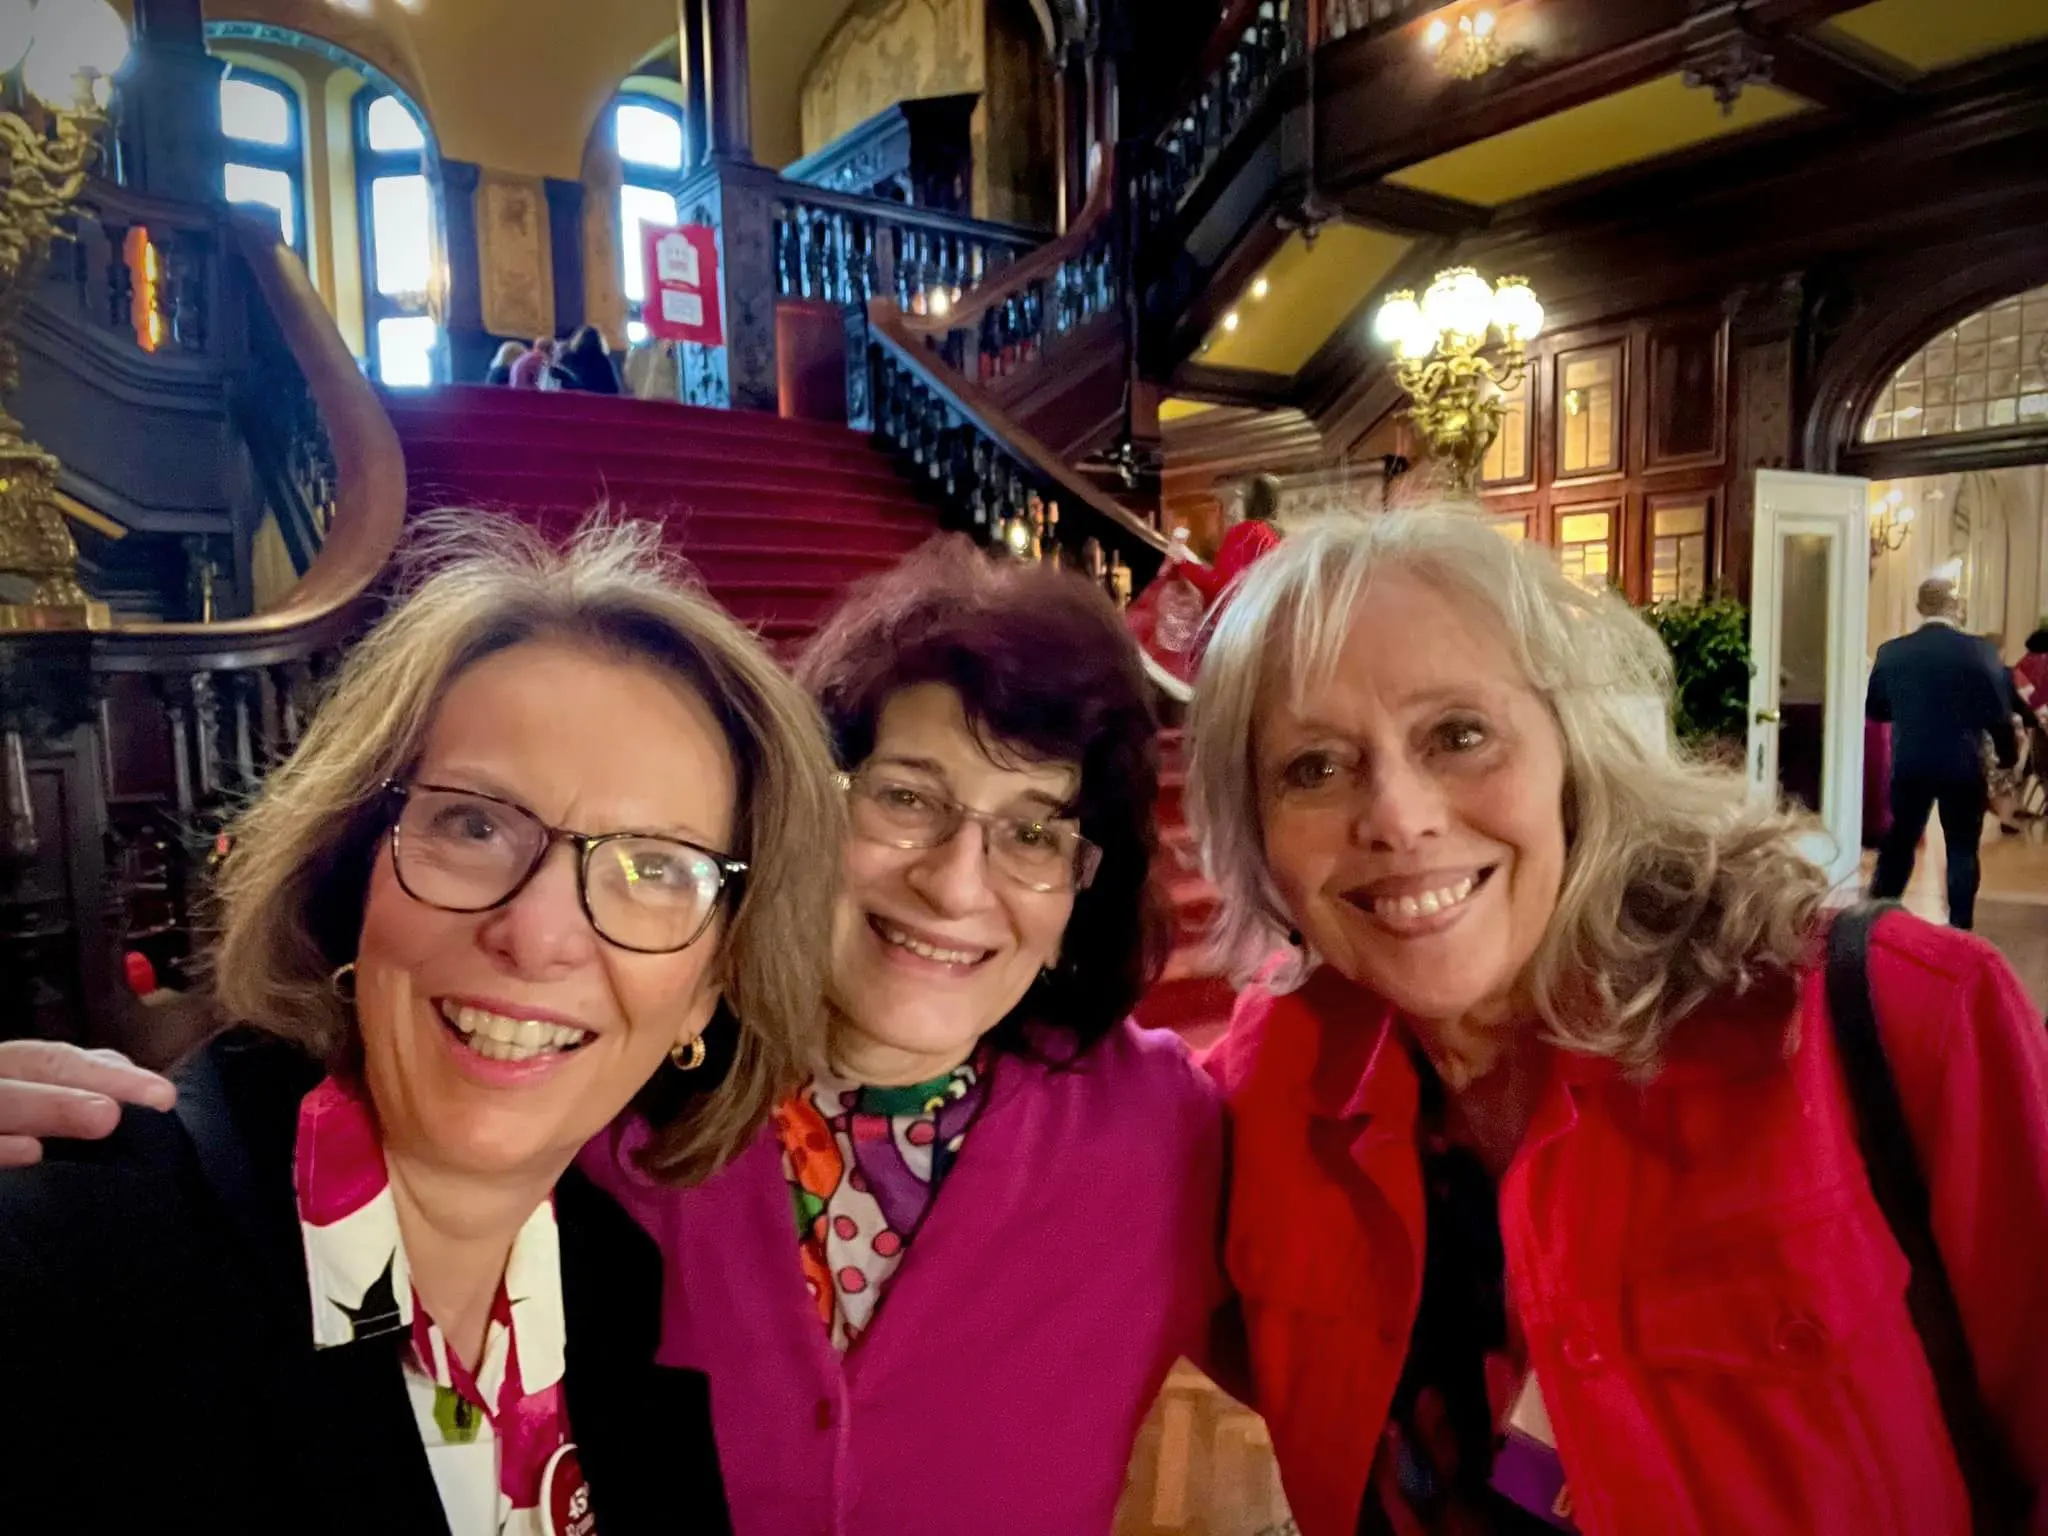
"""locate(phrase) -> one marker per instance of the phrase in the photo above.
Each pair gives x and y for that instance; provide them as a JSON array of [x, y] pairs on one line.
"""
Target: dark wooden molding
[[1209, 296], [1252, 387], [2000, 448], [1407, 211], [1833, 76], [1383, 100], [1235, 440], [917, 152]]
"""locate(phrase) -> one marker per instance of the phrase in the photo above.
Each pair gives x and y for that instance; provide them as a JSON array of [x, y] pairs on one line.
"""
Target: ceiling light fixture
[[1231, 321], [1467, 48], [1261, 288]]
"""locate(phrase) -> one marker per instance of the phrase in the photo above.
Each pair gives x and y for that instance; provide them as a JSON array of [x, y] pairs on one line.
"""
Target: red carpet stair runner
[[777, 516], [1191, 998]]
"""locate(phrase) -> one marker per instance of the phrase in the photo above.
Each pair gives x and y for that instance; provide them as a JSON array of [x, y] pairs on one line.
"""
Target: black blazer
[[1943, 691], [157, 1370]]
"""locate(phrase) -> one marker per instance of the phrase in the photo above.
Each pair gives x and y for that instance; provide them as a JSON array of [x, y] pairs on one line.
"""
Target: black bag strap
[[1999, 1498]]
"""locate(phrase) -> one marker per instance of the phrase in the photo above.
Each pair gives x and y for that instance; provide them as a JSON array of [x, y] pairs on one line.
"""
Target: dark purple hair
[[1045, 671]]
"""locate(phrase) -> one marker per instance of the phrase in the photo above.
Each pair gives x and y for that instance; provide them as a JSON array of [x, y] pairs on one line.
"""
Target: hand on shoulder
[[52, 1089]]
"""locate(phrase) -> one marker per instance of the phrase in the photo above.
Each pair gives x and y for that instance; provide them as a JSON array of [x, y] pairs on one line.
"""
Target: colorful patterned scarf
[[863, 1166]]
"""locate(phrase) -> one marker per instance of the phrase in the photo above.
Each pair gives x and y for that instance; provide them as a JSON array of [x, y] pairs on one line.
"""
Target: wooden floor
[[2012, 903]]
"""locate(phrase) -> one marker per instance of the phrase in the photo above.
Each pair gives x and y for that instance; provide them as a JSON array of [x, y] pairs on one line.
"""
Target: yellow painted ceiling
[[1659, 117], [1177, 409], [1311, 290], [517, 85], [1933, 34]]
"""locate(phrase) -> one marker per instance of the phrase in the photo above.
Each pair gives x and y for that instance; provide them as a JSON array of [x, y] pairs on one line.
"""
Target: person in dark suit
[[1944, 693], [351, 1282]]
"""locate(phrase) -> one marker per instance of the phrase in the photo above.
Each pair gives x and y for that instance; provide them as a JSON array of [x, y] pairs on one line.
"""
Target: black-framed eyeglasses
[[465, 851], [1041, 854]]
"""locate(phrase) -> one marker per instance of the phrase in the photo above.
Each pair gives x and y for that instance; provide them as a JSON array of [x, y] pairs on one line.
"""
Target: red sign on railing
[[681, 265]]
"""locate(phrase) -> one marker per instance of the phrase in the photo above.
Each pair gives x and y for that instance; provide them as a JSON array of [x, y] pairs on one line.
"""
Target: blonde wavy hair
[[1676, 889], [292, 888]]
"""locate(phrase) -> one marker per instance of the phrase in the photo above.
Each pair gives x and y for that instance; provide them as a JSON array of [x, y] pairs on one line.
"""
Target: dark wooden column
[[1076, 99], [696, 75], [565, 251], [470, 346], [169, 105], [738, 199], [1762, 342], [730, 96]]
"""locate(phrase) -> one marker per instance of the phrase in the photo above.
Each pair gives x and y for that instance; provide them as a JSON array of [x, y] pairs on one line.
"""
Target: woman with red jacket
[[1547, 1209]]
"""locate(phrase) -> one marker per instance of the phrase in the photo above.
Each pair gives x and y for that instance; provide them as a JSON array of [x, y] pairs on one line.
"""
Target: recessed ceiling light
[[1261, 288], [1230, 321]]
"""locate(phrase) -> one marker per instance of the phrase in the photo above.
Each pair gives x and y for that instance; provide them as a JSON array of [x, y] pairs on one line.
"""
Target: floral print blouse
[[497, 1438]]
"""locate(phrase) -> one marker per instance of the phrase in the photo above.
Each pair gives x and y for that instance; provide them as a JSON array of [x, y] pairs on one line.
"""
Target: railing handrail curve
[[369, 513]]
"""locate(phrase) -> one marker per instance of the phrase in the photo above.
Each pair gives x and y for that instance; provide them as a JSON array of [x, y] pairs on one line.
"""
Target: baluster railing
[[175, 265], [1348, 18], [1272, 39], [998, 482], [838, 249]]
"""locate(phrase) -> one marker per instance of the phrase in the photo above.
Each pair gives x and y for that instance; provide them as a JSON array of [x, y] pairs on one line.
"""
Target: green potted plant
[[1709, 643]]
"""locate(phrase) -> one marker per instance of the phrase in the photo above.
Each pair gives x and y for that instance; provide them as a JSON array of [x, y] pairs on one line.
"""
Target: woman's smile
[[921, 950]]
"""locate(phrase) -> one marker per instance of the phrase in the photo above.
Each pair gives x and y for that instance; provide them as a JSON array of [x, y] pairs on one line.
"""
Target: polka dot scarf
[[863, 1166]]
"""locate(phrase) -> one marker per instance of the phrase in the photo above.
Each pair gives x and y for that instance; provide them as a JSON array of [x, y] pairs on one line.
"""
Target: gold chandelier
[[59, 57], [1441, 358], [1467, 50]]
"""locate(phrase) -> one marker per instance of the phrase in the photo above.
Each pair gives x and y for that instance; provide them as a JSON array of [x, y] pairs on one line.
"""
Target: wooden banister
[[369, 514], [1100, 517], [1037, 267]]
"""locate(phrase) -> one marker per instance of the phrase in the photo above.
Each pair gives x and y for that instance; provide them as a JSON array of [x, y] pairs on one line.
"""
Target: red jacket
[[1712, 1300], [1240, 549]]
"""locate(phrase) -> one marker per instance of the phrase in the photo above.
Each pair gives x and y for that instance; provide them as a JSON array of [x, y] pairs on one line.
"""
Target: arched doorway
[[1954, 441], [1952, 438]]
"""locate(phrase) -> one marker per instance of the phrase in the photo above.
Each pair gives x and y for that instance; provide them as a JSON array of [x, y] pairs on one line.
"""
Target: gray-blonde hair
[[292, 888], [1675, 888]]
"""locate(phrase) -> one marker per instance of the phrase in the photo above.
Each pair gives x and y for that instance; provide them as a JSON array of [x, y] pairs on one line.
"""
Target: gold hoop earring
[[343, 980], [688, 1055]]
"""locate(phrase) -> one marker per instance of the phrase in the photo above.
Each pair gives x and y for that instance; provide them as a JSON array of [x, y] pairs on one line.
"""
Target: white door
[[1808, 596]]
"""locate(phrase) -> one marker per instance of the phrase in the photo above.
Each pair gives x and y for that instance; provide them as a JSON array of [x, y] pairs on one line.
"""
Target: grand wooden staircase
[[1007, 413]]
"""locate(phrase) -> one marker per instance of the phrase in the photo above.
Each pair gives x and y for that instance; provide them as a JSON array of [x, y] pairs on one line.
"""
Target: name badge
[[1526, 1470], [565, 1496]]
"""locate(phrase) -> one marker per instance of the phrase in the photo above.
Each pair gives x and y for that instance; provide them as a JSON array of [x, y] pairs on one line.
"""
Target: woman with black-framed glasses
[[354, 1282], [466, 851]]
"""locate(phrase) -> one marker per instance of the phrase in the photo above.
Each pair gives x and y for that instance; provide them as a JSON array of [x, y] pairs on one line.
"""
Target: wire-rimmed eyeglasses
[[1041, 854]]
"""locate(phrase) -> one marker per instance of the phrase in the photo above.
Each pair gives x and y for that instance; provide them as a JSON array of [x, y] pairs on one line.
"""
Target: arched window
[[649, 134], [1989, 371], [266, 165], [397, 210]]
